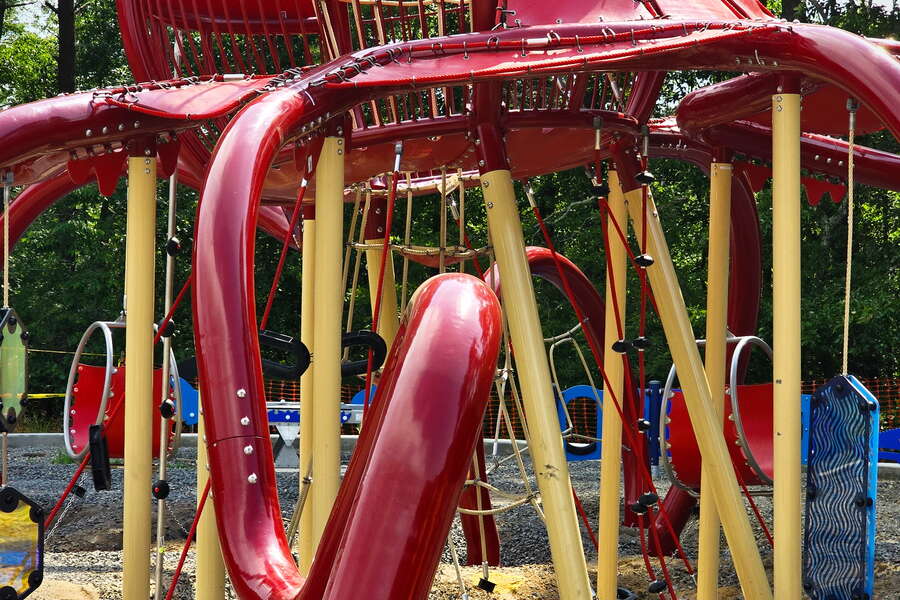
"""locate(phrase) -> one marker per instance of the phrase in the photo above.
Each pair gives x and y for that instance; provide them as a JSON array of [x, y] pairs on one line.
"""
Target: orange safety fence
[[583, 411]]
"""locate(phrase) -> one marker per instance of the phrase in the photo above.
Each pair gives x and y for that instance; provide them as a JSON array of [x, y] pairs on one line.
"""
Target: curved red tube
[[416, 449]]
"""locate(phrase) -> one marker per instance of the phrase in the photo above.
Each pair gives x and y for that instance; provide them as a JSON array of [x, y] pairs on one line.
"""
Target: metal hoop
[[106, 327], [735, 408], [742, 342]]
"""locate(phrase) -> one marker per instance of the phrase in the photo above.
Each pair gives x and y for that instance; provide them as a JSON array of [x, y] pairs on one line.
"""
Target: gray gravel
[[84, 547]]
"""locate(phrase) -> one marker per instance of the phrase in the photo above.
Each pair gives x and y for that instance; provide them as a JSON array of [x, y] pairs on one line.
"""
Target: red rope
[[273, 290], [67, 491], [584, 518], [632, 440], [187, 542], [385, 255]]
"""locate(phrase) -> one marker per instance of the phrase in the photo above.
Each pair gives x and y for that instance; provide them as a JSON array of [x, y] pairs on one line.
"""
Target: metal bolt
[[88, 133], [242, 393], [777, 98], [340, 142], [248, 450], [251, 478], [245, 421], [340, 151], [121, 127], [490, 205], [147, 153], [146, 171], [105, 130], [146, 160], [480, 163], [137, 124]]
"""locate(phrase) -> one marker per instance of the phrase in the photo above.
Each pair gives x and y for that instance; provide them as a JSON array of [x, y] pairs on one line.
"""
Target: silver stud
[[251, 478], [242, 393], [248, 450], [88, 133], [105, 130], [245, 421]]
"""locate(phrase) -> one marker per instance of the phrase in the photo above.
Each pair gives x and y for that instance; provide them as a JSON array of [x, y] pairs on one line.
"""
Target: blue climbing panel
[[841, 480]]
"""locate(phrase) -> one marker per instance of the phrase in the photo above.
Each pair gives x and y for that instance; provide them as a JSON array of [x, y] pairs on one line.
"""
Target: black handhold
[[645, 178], [100, 470], [167, 409], [644, 260], [173, 246], [160, 489], [643, 425], [640, 343], [637, 508], [648, 499], [657, 587], [9, 500], [34, 579], [486, 585], [8, 593], [622, 346], [168, 329], [624, 594]]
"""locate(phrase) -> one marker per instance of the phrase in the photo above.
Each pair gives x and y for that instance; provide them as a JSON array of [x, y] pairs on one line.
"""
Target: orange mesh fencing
[[583, 411]]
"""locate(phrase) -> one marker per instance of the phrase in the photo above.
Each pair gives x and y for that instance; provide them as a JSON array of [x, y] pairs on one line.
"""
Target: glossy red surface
[[755, 402], [87, 391]]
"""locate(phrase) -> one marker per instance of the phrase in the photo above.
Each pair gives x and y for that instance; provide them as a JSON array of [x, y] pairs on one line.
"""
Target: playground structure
[[283, 112]]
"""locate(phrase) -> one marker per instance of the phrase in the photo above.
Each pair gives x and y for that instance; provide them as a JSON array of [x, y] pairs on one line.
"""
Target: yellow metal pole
[[326, 417], [550, 465], [716, 334], [307, 405], [140, 245], [388, 321], [680, 337], [611, 446], [210, 569], [786, 341]]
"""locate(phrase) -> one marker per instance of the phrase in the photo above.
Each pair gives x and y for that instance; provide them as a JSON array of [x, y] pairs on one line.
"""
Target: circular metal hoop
[[742, 343], [106, 327]]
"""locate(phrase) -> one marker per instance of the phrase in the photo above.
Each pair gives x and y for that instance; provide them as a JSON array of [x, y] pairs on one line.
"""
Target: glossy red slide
[[390, 521]]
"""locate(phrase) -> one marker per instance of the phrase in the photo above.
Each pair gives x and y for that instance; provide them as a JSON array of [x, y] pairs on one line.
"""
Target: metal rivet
[[490, 205], [105, 130], [88, 133], [137, 124], [340, 152], [245, 420], [121, 127], [146, 171], [242, 393], [252, 478], [248, 450], [480, 163]]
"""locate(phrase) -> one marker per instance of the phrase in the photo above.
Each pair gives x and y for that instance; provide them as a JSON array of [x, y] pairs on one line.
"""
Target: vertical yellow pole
[[140, 245], [210, 569], [716, 334], [786, 340], [307, 405], [680, 337], [388, 321], [611, 446], [551, 468], [326, 417]]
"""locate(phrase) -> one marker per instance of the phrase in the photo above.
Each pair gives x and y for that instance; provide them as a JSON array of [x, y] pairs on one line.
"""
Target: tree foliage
[[67, 270]]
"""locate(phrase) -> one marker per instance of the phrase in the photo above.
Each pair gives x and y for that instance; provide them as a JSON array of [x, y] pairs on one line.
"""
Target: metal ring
[[735, 407], [105, 327], [664, 453]]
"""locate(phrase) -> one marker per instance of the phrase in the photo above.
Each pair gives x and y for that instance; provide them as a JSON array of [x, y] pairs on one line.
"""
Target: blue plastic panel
[[841, 485]]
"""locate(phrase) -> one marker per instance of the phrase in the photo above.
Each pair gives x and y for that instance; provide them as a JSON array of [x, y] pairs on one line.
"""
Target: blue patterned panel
[[840, 492]]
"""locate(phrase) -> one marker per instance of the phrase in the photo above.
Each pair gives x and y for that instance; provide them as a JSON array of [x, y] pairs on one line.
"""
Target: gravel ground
[[84, 548]]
